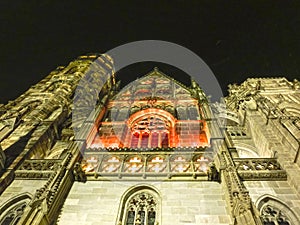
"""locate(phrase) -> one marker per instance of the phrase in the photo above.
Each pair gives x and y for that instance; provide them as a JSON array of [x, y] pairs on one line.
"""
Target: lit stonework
[[155, 152]]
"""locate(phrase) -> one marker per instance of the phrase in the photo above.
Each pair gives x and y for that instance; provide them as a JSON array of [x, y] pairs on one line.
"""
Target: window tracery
[[275, 212], [12, 211], [14, 215], [141, 206], [151, 131], [273, 216]]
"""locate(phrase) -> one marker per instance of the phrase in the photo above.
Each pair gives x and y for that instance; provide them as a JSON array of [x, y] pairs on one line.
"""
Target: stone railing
[[37, 169], [149, 165], [168, 149], [259, 169]]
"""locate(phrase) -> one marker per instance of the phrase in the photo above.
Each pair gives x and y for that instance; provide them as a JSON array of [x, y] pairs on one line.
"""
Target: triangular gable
[[154, 84]]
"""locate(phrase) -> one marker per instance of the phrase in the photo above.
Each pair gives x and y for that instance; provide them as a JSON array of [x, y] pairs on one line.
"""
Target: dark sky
[[237, 40]]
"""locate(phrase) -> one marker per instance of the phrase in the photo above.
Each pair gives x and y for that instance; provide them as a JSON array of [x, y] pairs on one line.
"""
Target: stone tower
[[78, 149]]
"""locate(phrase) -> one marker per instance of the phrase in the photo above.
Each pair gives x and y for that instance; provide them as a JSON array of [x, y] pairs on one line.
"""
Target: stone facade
[[78, 149], [98, 202]]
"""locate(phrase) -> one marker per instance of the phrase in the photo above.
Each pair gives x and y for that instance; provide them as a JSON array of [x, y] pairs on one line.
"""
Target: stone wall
[[98, 202], [18, 187], [280, 190]]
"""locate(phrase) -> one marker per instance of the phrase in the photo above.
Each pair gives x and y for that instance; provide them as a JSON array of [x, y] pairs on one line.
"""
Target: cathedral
[[78, 148]]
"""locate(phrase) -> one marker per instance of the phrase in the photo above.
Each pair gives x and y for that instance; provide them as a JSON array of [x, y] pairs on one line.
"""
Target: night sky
[[236, 40]]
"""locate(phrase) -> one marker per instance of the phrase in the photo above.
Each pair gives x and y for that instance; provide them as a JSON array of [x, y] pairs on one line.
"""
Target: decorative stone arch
[[230, 117], [12, 210], [242, 147], [157, 163], [142, 194], [151, 127], [134, 163], [57, 152], [151, 111], [274, 211], [292, 109], [111, 163]]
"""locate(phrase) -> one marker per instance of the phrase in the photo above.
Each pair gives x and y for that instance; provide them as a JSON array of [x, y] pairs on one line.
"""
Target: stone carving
[[257, 164], [213, 174], [260, 169], [37, 169], [44, 197], [43, 114], [272, 215], [113, 164], [79, 173], [143, 205], [243, 210], [14, 214]]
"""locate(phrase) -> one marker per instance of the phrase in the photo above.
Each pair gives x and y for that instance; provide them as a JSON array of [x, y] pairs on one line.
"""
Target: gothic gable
[[154, 85]]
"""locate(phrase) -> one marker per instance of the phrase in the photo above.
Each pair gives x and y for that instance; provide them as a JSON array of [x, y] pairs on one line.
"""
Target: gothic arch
[[57, 151], [230, 117], [274, 211], [243, 148], [140, 205], [151, 127], [291, 109], [12, 210], [151, 111]]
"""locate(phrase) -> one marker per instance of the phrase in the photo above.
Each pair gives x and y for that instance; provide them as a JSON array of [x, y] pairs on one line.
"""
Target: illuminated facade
[[152, 114], [154, 152]]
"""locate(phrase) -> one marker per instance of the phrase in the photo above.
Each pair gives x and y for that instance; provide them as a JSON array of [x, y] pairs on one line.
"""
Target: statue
[[213, 174], [79, 173]]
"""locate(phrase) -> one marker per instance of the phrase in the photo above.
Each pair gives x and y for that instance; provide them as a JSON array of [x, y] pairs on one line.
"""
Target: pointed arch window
[[152, 131], [275, 212], [273, 216], [151, 128], [12, 211], [141, 206]]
